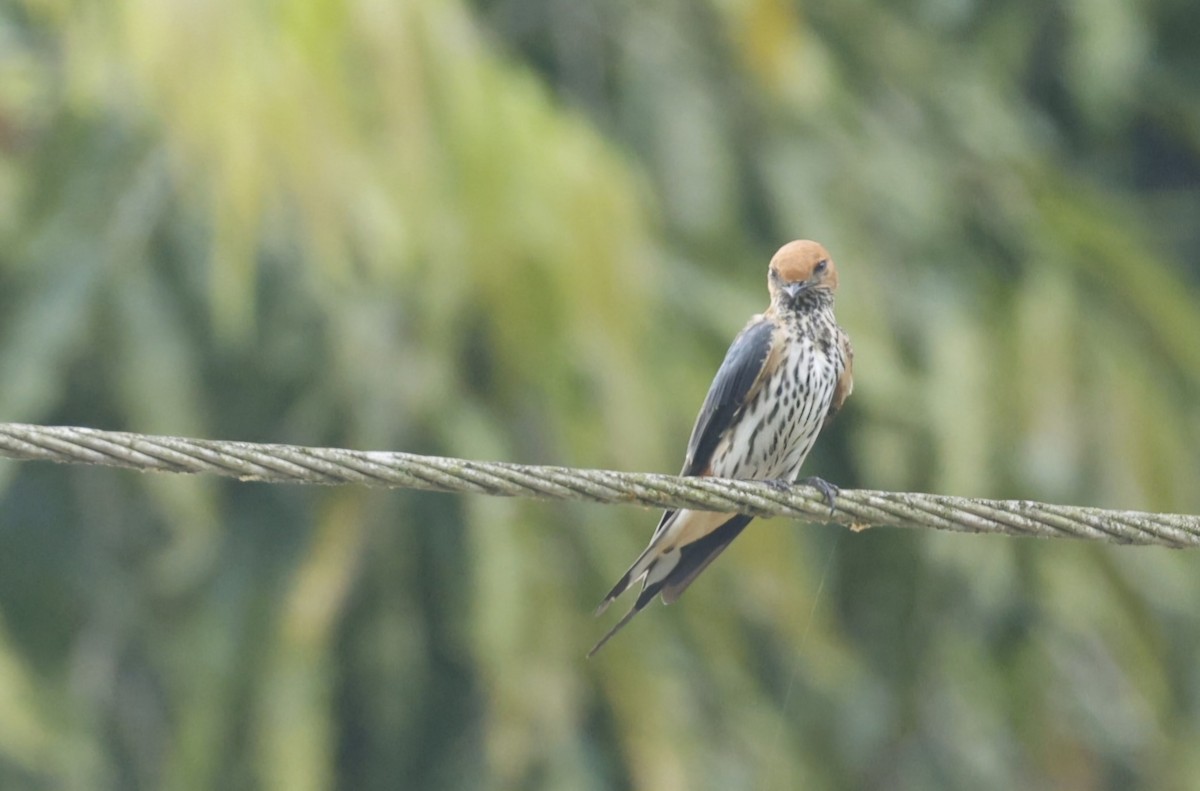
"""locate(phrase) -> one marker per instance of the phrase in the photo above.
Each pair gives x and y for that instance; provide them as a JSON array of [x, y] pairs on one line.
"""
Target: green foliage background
[[527, 230]]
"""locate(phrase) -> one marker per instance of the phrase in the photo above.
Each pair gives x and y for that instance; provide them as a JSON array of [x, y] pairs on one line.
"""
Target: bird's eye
[[821, 266]]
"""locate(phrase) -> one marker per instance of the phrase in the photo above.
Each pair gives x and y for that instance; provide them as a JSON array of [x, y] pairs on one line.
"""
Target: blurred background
[[527, 230]]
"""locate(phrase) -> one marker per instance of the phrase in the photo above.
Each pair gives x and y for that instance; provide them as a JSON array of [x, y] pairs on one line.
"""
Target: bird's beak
[[794, 290]]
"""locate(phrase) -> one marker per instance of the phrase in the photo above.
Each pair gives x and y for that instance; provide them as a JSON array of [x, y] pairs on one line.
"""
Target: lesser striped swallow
[[786, 374]]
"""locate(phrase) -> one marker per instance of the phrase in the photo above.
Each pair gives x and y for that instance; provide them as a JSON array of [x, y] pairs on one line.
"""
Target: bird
[[786, 374]]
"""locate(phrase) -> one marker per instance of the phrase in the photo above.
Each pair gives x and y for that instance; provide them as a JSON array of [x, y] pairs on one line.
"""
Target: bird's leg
[[778, 484], [824, 487]]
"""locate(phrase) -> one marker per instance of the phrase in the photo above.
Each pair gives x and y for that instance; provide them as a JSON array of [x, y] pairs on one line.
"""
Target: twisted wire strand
[[857, 509]]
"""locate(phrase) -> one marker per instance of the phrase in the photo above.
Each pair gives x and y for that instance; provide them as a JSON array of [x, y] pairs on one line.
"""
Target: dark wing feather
[[643, 599], [695, 557], [735, 380], [745, 363]]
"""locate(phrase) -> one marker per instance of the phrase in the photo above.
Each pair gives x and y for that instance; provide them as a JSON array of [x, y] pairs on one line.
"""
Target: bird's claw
[[825, 488]]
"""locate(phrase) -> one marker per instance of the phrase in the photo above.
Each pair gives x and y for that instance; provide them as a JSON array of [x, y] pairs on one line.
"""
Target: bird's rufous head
[[799, 268]]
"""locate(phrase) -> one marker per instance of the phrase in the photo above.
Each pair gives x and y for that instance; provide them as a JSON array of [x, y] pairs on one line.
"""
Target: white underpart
[[779, 427], [802, 386]]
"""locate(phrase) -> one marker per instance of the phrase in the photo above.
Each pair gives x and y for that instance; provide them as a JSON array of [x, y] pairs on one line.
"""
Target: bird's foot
[[779, 484], [824, 487]]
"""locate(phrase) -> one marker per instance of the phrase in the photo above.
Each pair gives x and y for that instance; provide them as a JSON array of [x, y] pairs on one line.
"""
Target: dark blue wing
[[735, 379], [744, 366]]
